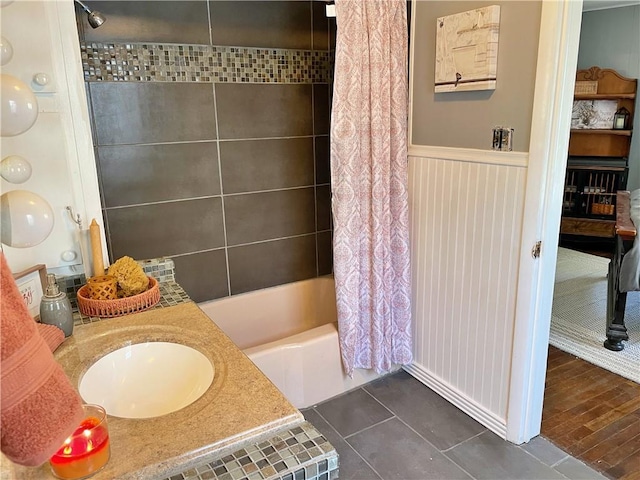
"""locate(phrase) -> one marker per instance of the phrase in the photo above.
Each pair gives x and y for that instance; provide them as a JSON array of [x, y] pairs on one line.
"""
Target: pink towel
[[39, 407], [53, 336]]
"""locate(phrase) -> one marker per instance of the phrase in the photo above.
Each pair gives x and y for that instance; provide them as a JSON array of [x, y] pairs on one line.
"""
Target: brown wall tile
[[252, 165], [321, 108], [133, 174], [157, 150], [261, 24], [332, 34], [325, 253], [320, 26], [323, 207], [148, 21], [203, 275], [146, 112], [268, 215], [262, 111], [266, 264], [323, 166], [165, 229]]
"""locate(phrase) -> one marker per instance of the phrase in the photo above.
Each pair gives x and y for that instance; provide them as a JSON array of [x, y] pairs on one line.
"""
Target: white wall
[[58, 146], [611, 39]]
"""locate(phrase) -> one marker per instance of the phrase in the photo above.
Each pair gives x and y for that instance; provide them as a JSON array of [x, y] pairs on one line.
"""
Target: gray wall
[[231, 180], [465, 119], [611, 39]]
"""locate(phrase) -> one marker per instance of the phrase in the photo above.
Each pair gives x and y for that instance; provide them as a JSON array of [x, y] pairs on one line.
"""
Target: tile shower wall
[[210, 124]]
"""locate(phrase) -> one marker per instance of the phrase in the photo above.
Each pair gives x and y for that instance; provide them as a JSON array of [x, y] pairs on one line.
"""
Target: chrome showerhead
[[95, 18]]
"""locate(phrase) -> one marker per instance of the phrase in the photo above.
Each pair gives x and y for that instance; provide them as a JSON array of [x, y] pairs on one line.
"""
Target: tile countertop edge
[[174, 466], [198, 433]]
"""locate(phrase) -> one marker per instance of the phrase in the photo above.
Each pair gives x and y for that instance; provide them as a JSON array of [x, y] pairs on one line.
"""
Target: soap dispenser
[[55, 308]]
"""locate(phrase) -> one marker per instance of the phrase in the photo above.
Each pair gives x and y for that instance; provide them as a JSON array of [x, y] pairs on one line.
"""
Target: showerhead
[[94, 17]]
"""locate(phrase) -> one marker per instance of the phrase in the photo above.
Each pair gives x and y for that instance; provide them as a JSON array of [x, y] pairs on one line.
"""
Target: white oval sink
[[147, 379]]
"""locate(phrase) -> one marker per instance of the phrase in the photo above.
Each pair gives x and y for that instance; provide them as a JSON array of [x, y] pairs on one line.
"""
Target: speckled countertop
[[241, 405]]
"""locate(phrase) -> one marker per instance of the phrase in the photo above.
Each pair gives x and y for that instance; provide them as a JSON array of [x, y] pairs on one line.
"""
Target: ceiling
[[589, 5]]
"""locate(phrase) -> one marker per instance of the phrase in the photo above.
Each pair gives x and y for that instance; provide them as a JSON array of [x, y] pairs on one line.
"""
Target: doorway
[[589, 411]]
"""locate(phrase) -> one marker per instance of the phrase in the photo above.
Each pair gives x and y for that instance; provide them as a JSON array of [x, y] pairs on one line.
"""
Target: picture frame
[[467, 50], [32, 284], [593, 114]]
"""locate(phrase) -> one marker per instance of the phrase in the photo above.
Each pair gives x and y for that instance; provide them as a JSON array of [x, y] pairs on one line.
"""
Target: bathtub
[[290, 332]]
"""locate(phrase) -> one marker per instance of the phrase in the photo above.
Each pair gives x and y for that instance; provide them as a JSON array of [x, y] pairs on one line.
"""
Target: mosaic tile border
[[152, 62], [162, 269], [70, 285], [298, 453]]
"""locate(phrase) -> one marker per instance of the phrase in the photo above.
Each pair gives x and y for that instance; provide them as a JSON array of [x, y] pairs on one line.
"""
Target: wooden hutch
[[598, 162]]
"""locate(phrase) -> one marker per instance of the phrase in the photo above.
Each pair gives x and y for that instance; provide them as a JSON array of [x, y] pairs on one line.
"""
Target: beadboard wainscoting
[[466, 222]]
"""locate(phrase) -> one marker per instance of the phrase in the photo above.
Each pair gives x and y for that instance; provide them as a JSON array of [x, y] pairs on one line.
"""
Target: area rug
[[578, 319]]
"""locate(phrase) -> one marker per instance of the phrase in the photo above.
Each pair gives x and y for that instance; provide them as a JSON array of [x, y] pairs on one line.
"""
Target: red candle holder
[[86, 450]]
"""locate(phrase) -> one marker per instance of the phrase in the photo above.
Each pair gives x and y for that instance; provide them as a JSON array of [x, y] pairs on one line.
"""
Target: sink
[[147, 379]]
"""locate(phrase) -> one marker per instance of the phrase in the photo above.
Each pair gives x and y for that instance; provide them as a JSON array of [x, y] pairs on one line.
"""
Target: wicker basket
[[602, 209], [104, 287], [118, 306], [585, 87]]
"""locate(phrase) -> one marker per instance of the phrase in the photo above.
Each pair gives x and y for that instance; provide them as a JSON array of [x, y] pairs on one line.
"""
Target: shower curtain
[[369, 184]]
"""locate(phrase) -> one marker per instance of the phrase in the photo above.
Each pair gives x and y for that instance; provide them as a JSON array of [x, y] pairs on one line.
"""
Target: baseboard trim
[[479, 413]]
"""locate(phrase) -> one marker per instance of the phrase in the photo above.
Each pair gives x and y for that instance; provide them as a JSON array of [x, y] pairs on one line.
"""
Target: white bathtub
[[290, 333]]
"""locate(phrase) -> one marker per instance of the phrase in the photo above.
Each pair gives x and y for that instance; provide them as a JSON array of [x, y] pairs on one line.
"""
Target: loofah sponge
[[131, 278]]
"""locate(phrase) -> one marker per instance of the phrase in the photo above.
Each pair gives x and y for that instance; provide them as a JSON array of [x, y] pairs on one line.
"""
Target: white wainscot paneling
[[466, 221]]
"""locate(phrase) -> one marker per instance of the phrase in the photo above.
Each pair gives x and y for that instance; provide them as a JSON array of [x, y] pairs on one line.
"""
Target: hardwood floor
[[592, 414]]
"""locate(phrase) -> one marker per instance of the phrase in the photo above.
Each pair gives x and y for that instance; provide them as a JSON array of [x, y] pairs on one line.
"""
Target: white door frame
[[555, 76]]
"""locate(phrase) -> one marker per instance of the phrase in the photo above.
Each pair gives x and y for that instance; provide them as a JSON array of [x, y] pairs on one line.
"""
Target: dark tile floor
[[396, 428]]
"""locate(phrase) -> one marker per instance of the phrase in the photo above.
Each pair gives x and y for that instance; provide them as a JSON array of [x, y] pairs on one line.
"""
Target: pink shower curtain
[[369, 184]]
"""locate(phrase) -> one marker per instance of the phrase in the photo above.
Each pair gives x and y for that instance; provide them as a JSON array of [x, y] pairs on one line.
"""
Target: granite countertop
[[241, 405]]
